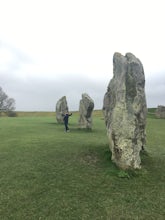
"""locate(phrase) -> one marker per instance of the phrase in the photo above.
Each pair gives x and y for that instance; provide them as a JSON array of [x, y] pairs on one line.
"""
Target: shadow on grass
[[76, 129], [104, 162], [53, 123], [99, 158]]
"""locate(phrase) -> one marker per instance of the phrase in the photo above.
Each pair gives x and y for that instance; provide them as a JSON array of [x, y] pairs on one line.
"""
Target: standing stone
[[125, 111], [61, 108], [160, 111], [85, 109]]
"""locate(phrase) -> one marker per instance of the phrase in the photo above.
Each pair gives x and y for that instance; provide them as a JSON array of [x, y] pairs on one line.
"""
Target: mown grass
[[49, 174]]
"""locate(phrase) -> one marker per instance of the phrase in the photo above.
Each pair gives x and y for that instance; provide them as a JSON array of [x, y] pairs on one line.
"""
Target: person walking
[[66, 119]]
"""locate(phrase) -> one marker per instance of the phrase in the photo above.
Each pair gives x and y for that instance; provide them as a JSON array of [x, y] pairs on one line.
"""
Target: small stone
[[160, 111]]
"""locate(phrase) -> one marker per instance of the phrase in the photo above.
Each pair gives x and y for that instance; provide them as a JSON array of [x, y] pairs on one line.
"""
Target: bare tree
[[7, 104]]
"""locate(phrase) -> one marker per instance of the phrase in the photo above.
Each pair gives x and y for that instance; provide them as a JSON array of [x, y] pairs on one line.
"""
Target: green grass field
[[47, 174]]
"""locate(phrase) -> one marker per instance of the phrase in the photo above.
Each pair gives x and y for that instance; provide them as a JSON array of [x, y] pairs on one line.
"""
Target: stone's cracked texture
[[85, 109], [160, 111], [61, 108], [125, 109]]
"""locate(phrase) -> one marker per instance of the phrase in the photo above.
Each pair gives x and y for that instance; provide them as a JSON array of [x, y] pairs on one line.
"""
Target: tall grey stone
[[125, 111], [85, 110], [160, 111], [61, 108]]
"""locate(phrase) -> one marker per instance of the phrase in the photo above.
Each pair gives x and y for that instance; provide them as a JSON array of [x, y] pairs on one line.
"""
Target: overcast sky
[[52, 48]]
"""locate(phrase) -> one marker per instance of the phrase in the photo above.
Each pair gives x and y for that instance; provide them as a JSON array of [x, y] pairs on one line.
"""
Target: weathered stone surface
[[85, 109], [61, 108], [125, 111], [160, 111]]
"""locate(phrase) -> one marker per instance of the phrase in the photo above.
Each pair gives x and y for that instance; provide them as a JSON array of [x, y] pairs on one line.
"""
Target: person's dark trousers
[[66, 126]]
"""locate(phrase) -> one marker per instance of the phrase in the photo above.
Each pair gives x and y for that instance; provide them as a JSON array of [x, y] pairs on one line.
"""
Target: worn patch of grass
[[49, 174]]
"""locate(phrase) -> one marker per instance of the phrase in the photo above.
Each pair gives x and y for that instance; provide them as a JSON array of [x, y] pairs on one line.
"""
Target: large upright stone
[[125, 111], [85, 109], [61, 108], [160, 111]]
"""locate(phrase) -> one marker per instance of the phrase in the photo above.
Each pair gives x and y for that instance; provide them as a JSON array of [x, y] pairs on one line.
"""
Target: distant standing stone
[[85, 109], [160, 111], [125, 111], [61, 109]]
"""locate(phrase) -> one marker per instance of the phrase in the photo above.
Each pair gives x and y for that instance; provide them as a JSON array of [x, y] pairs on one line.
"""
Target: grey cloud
[[36, 94], [155, 89], [44, 94]]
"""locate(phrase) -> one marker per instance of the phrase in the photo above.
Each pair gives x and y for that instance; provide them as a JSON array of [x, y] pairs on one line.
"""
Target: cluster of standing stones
[[85, 109], [124, 110]]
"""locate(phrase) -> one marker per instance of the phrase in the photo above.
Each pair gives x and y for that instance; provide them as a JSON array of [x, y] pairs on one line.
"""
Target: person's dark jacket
[[66, 117]]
